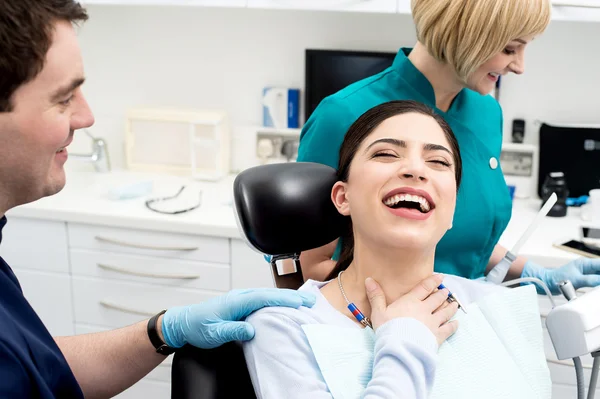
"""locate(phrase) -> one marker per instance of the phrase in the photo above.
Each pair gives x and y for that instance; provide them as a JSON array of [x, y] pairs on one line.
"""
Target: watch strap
[[160, 346]]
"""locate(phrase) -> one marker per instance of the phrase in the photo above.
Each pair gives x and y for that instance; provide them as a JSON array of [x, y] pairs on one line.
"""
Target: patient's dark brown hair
[[358, 132]]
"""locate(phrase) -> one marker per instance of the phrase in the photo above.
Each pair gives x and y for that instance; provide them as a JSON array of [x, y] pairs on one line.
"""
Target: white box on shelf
[[184, 142], [519, 164]]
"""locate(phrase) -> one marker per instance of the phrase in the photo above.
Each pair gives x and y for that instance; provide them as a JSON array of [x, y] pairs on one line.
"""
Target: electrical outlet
[[275, 146]]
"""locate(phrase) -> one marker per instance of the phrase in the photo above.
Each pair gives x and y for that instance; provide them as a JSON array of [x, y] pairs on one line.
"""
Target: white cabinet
[[149, 243], [204, 3], [404, 7], [50, 295], [383, 6], [104, 302], [37, 251], [147, 389], [35, 244], [576, 10], [249, 269]]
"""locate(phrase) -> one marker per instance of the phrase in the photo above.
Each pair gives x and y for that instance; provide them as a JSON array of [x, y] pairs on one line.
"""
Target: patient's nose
[[413, 169]]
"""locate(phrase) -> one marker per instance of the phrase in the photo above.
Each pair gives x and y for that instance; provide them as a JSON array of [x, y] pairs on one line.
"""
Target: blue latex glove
[[582, 272], [218, 321]]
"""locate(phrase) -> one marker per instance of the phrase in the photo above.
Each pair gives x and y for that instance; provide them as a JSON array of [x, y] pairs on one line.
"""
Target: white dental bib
[[497, 352]]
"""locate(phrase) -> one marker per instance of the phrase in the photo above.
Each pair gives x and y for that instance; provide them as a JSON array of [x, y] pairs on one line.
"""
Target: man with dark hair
[[41, 105]]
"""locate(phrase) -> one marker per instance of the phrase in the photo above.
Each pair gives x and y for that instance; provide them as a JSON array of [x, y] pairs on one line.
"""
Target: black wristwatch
[[158, 343]]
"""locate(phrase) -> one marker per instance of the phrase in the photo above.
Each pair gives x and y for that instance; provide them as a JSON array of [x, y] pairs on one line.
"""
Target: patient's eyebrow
[[402, 144], [396, 142], [436, 147], [62, 92]]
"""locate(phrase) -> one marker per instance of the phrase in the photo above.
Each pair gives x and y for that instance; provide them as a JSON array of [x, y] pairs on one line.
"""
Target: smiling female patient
[[399, 173]]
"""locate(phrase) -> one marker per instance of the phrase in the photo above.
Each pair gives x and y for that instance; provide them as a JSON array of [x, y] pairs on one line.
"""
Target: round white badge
[[493, 163]]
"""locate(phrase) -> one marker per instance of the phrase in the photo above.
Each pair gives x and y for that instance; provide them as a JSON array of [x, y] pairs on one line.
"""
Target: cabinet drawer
[[161, 373], [35, 244], [145, 269], [249, 269], [111, 303], [49, 294], [147, 389], [150, 243]]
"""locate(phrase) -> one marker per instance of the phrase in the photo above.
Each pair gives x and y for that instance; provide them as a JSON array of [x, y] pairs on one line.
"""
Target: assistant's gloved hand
[[582, 272], [218, 321]]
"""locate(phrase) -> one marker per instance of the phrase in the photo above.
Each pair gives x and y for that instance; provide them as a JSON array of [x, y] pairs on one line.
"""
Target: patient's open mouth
[[409, 199]]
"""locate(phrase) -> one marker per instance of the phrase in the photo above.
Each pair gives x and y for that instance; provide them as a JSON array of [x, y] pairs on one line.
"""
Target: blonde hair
[[467, 33]]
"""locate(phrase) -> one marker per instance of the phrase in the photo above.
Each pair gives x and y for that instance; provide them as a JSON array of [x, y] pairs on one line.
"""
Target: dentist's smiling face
[[401, 187], [509, 60], [45, 113]]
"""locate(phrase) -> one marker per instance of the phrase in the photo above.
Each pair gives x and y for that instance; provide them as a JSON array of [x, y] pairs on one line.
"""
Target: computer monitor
[[329, 71], [573, 150]]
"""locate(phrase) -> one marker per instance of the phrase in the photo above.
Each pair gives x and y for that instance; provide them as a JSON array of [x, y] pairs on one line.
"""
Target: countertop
[[85, 200]]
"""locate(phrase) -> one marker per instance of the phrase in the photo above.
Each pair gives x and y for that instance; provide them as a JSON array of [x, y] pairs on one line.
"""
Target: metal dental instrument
[[498, 273], [453, 298]]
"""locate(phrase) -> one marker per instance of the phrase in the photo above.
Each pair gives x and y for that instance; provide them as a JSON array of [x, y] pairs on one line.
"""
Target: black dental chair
[[281, 210]]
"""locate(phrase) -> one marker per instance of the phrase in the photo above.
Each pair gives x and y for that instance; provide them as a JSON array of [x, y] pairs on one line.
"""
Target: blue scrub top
[[31, 364], [483, 207]]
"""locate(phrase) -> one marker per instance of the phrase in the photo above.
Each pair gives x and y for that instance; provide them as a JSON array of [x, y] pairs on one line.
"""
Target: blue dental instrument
[[453, 298]]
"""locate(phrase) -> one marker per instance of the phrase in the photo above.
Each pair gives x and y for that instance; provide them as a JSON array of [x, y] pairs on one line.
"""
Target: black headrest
[[286, 208]]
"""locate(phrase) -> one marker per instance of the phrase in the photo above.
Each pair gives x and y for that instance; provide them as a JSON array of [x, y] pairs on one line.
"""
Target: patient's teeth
[[394, 200]]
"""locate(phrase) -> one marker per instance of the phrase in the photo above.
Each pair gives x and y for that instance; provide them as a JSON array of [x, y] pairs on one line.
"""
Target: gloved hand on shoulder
[[582, 272], [219, 320]]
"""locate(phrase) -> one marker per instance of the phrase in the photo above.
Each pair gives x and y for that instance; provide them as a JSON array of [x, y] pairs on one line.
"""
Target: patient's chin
[[414, 241]]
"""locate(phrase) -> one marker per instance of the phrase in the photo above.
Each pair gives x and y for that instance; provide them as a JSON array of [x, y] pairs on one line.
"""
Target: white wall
[[222, 58]]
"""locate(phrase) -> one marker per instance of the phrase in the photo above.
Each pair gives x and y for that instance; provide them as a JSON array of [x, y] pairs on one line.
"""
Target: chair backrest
[[281, 209], [285, 209]]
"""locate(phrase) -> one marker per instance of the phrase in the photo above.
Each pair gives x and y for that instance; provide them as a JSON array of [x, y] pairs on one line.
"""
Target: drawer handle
[[125, 309], [123, 270], [141, 246]]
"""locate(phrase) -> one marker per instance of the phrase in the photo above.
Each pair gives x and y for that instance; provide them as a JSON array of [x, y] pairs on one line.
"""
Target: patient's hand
[[424, 302]]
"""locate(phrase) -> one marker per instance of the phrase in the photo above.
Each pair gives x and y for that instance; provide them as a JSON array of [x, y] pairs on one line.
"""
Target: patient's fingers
[[436, 299], [444, 315], [442, 306], [446, 331], [426, 287], [375, 295]]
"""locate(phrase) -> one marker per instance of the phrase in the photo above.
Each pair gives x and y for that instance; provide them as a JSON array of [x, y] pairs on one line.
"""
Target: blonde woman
[[463, 47]]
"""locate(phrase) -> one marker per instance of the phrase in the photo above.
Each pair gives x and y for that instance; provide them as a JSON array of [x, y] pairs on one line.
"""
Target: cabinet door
[[576, 10], [249, 269], [147, 389], [207, 3], [404, 7], [35, 244], [50, 296], [385, 6]]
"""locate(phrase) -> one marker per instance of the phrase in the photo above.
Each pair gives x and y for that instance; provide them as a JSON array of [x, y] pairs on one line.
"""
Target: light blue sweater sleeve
[[404, 362], [281, 362]]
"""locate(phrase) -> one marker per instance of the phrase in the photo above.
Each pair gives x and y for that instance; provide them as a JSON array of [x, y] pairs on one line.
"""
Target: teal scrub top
[[483, 207]]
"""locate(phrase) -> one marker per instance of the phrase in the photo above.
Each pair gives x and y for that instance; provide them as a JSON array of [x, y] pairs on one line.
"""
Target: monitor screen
[[329, 71]]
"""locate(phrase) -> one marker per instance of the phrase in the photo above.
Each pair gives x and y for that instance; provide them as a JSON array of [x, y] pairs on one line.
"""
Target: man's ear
[[339, 197]]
